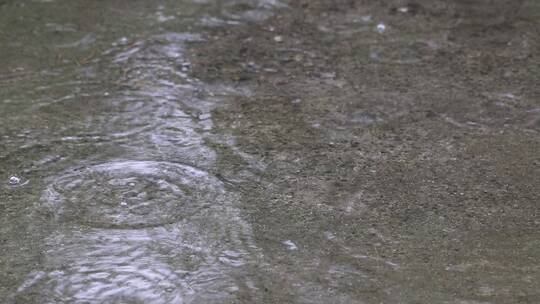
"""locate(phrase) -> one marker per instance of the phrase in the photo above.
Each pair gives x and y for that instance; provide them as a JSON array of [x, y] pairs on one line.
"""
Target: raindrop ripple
[[131, 194]]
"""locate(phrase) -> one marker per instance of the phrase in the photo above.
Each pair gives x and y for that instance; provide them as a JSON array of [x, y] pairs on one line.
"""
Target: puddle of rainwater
[[140, 220]]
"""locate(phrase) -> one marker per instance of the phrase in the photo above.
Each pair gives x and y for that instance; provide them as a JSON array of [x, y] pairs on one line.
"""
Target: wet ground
[[261, 151]]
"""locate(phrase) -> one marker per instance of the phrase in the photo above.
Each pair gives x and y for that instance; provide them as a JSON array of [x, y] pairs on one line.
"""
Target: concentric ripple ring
[[131, 194]]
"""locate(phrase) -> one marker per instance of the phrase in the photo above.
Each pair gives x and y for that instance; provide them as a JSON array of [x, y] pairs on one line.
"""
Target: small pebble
[[14, 180], [290, 245], [381, 28], [185, 66], [403, 9]]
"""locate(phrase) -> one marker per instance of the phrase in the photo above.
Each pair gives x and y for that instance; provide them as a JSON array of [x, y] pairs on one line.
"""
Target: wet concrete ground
[[268, 152]]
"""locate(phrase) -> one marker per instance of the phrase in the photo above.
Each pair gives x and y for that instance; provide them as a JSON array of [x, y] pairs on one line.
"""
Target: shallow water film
[[269, 151]]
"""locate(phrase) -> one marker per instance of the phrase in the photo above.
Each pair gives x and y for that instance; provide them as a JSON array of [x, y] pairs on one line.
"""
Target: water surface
[[260, 151]]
